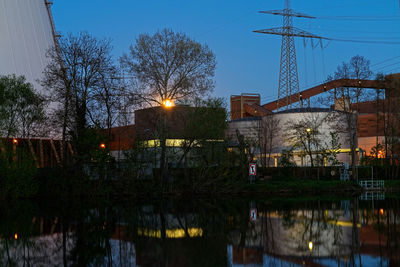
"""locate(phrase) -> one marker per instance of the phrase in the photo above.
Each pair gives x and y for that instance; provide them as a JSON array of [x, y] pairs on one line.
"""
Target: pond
[[284, 231]]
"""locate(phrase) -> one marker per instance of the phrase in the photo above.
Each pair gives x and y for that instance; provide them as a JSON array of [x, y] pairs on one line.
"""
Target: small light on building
[[15, 236], [308, 130], [102, 146], [15, 141], [310, 246], [381, 211]]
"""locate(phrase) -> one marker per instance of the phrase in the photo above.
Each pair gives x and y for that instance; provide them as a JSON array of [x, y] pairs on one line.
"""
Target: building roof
[[247, 119], [304, 110]]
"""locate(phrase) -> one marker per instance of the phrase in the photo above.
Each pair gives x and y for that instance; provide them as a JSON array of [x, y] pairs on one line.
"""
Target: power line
[[360, 18], [386, 60], [384, 67], [362, 41]]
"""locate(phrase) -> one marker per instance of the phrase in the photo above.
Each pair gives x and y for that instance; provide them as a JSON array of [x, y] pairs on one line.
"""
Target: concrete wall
[[25, 36]]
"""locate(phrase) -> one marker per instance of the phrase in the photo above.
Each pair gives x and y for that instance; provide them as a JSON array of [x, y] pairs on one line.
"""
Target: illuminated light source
[[167, 103], [310, 245], [171, 233], [381, 211], [102, 146], [308, 130], [15, 141], [15, 236]]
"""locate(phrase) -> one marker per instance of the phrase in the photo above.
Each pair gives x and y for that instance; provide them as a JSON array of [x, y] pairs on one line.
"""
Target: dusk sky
[[248, 62]]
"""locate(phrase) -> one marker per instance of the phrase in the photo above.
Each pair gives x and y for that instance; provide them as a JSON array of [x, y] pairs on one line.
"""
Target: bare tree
[[169, 65], [391, 121], [269, 132], [78, 69], [304, 134], [110, 102], [348, 99]]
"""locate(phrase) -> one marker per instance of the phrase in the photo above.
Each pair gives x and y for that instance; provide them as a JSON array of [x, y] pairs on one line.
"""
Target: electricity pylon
[[288, 90]]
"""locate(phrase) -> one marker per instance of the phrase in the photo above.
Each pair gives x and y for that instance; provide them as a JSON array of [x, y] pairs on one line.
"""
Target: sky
[[249, 62]]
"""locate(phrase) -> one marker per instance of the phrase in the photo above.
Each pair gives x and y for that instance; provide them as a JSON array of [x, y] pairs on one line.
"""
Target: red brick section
[[367, 125], [239, 104], [328, 86], [122, 138]]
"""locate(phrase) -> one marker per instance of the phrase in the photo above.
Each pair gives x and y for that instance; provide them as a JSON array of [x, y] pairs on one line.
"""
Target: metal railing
[[372, 184]]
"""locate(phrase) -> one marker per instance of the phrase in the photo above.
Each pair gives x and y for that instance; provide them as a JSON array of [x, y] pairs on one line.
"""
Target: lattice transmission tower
[[288, 91]]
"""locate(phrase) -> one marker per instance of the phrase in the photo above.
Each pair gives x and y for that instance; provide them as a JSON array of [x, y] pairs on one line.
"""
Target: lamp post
[[166, 105], [308, 134]]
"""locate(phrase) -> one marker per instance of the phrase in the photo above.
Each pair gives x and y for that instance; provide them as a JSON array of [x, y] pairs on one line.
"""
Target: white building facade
[[319, 123]]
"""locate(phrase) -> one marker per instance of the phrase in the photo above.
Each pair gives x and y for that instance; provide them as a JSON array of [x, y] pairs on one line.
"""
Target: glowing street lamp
[[15, 141], [102, 146], [310, 245], [308, 130], [167, 103]]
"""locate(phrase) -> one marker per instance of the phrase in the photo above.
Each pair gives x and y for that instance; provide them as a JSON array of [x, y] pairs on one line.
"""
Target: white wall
[[330, 122], [336, 121], [25, 36]]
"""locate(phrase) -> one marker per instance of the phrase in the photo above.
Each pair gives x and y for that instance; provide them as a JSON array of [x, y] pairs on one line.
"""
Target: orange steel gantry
[[248, 105]]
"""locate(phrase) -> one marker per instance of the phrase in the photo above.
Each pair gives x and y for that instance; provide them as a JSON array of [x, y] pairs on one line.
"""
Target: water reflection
[[230, 232]]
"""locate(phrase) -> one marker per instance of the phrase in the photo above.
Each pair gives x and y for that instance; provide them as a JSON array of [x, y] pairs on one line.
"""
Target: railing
[[372, 196], [372, 184]]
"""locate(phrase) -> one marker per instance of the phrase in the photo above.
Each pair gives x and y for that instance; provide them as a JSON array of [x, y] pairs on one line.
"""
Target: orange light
[[15, 236], [102, 146], [167, 103], [15, 141], [381, 211]]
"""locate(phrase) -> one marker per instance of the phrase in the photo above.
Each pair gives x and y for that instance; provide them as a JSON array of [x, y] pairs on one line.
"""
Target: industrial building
[[181, 127], [368, 119], [27, 32]]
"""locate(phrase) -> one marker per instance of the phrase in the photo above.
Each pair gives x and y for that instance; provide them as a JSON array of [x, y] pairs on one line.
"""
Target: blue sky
[[247, 62]]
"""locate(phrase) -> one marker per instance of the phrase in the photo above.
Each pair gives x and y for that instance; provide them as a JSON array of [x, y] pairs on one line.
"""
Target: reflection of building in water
[[154, 240], [48, 250], [307, 238]]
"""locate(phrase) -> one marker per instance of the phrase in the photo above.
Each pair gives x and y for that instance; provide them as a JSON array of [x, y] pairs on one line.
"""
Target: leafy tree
[[169, 65], [204, 129], [287, 159], [21, 108], [331, 149]]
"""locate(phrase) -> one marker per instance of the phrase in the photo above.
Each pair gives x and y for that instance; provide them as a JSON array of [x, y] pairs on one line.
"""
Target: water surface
[[201, 232]]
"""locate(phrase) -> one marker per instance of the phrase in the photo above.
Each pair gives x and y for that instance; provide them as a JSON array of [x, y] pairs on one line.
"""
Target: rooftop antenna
[[288, 90]]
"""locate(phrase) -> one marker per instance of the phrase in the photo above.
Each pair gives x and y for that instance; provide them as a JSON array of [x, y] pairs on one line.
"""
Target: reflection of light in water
[[310, 245], [171, 233]]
